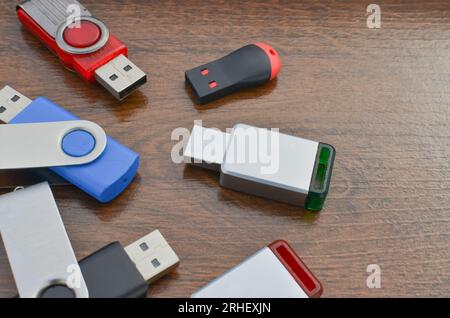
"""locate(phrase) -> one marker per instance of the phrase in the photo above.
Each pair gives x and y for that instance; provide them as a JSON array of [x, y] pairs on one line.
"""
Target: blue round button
[[78, 143]]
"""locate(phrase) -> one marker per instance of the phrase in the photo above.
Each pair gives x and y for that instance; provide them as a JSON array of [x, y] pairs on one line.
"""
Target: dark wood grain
[[381, 97]]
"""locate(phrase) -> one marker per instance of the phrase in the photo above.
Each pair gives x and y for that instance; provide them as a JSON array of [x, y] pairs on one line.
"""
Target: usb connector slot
[[11, 103], [120, 77], [153, 256]]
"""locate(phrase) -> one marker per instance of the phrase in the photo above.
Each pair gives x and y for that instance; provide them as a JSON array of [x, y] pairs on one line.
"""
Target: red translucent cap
[[83, 35], [301, 273]]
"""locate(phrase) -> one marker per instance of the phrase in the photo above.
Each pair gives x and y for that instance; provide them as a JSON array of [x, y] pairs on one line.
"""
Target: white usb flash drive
[[265, 163], [274, 272]]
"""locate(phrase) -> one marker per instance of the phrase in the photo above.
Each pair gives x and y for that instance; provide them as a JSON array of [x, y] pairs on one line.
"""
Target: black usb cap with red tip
[[249, 66]]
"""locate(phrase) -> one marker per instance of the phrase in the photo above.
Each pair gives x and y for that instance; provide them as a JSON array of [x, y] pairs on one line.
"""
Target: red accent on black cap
[[275, 62]]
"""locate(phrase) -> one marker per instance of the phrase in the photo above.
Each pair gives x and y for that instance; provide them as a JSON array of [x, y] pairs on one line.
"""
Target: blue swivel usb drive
[[104, 178]]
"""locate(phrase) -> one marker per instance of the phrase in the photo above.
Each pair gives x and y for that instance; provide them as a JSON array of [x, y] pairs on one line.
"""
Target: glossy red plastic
[[301, 273], [83, 64], [83, 36]]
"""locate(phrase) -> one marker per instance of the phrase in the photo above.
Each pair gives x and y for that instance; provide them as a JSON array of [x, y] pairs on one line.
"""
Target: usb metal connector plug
[[153, 256], [11, 103], [120, 77]]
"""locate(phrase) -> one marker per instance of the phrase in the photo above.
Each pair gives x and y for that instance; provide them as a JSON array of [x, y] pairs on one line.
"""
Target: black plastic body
[[110, 273], [245, 68]]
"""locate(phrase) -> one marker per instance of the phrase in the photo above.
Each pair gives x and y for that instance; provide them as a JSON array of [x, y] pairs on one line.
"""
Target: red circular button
[[86, 35]]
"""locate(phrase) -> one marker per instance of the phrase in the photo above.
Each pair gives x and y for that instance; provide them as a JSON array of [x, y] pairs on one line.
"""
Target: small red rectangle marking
[[205, 72], [213, 84]]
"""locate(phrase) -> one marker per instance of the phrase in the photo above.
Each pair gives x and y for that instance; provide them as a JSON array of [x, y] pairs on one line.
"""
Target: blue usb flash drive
[[104, 178]]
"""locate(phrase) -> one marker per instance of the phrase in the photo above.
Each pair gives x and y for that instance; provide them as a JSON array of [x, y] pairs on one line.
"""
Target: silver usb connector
[[120, 77], [201, 138], [11, 103], [152, 256]]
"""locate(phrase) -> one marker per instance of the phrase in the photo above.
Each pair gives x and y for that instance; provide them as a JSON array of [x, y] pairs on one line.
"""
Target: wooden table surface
[[381, 97]]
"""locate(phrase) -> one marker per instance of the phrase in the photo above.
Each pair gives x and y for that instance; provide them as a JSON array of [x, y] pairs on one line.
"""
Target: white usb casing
[[273, 272]]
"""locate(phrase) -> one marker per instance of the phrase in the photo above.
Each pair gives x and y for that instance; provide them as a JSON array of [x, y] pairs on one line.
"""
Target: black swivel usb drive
[[122, 272], [126, 272], [249, 66]]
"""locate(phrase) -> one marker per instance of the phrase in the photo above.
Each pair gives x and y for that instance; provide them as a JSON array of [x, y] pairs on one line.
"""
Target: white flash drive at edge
[[274, 272]]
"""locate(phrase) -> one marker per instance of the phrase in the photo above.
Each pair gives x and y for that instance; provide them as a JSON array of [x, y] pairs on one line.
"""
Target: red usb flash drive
[[276, 271], [250, 66], [82, 43]]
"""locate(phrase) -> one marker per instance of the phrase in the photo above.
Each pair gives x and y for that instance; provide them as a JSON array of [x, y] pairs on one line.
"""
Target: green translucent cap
[[320, 181]]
